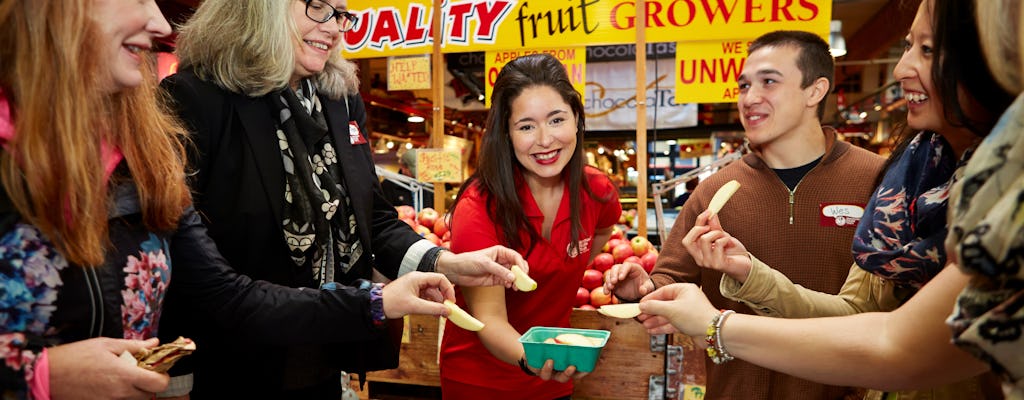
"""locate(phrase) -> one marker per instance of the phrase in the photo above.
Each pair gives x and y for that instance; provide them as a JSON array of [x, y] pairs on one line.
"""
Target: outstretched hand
[[485, 267], [679, 307], [92, 369], [713, 248], [628, 281], [417, 293]]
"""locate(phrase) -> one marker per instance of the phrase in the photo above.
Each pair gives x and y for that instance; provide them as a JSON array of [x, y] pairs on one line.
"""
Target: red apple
[[592, 278], [640, 245], [622, 251], [422, 230], [587, 307], [427, 217], [617, 233], [632, 259], [582, 296], [599, 297], [412, 222], [648, 260], [432, 237], [406, 212], [611, 243], [604, 261], [441, 227]]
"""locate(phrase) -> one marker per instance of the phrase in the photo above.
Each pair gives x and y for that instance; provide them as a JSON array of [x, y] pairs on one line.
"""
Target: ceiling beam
[[877, 36]]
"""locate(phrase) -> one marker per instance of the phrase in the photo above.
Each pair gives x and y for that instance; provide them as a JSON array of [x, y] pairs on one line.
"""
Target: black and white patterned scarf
[[318, 227]]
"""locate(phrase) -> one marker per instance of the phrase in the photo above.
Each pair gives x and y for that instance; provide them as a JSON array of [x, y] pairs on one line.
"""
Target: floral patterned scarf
[[986, 240], [317, 224], [901, 234]]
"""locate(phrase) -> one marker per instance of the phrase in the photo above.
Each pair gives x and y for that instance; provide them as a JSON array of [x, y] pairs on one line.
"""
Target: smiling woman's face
[[318, 39], [914, 72], [543, 132], [128, 29]]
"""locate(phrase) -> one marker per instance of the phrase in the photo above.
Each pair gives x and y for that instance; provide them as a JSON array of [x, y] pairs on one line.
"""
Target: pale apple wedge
[[574, 339], [626, 310], [722, 196], [460, 317], [523, 281]]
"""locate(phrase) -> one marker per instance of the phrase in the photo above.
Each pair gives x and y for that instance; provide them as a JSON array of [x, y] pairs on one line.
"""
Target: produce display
[[618, 250]]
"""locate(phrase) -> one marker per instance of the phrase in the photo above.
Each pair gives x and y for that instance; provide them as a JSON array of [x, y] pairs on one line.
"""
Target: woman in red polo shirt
[[532, 192]]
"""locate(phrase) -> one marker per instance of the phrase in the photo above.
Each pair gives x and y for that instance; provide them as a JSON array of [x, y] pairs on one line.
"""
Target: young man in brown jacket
[[796, 175]]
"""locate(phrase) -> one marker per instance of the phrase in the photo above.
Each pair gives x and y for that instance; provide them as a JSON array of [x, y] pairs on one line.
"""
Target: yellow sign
[[409, 73], [396, 27], [433, 165], [706, 72], [574, 59]]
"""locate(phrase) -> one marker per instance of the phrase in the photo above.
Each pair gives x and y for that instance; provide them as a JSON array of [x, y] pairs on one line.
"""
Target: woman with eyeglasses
[[283, 175]]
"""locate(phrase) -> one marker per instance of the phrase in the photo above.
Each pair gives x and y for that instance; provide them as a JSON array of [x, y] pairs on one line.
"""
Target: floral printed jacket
[[44, 301]]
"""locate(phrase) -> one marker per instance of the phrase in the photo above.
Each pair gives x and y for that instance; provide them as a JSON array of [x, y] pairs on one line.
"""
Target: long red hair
[[52, 169]]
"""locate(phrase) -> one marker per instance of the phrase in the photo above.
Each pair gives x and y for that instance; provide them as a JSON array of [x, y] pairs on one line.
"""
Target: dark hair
[[958, 64], [814, 60], [494, 175]]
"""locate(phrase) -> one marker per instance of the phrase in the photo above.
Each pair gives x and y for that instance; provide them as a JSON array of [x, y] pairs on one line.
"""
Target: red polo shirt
[[558, 274]]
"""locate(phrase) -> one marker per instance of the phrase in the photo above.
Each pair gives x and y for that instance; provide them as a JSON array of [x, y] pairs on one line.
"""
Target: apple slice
[[722, 196], [523, 281], [460, 317], [550, 340], [625, 310], [574, 339]]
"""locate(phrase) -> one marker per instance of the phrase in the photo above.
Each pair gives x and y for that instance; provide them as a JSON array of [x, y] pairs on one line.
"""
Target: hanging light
[[837, 45]]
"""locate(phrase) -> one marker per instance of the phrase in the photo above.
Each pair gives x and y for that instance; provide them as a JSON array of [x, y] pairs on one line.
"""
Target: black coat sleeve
[[205, 290]]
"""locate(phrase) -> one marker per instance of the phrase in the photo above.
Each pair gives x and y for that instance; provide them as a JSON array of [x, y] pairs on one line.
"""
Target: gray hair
[[243, 47]]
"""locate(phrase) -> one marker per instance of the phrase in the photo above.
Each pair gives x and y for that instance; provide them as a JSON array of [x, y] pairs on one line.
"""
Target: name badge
[[354, 135], [841, 215]]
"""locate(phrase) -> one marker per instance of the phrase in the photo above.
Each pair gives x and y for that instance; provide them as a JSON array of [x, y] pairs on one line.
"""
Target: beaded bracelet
[[716, 349]]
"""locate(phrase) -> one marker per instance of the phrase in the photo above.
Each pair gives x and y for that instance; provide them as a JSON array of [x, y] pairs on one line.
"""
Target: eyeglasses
[[321, 12]]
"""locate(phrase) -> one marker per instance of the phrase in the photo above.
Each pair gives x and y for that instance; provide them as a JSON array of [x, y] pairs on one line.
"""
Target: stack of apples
[[617, 251], [428, 223]]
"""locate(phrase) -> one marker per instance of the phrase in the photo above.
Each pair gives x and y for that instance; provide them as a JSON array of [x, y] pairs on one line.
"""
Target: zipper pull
[[791, 201]]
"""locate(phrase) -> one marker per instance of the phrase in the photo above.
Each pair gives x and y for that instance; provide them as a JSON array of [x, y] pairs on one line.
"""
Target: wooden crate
[[417, 364], [626, 363]]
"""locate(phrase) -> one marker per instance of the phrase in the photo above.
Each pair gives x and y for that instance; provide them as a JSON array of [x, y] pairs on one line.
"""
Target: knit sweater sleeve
[[770, 293]]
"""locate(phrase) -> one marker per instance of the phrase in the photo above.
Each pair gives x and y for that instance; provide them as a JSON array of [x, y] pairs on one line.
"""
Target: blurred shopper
[[532, 191], [796, 168], [912, 347], [284, 178]]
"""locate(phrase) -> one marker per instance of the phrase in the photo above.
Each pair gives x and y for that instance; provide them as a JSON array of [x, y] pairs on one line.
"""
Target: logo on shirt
[[584, 247], [841, 215], [354, 135]]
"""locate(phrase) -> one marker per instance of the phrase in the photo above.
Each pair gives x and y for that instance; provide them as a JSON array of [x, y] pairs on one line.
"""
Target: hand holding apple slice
[[625, 310], [722, 196], [523, 281], [460, 317]]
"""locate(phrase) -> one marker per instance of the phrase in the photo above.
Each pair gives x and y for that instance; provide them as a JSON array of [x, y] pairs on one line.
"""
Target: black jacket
[[239, 190]]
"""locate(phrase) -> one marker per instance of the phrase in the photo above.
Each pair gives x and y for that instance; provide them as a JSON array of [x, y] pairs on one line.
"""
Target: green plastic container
[[583, 357]]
